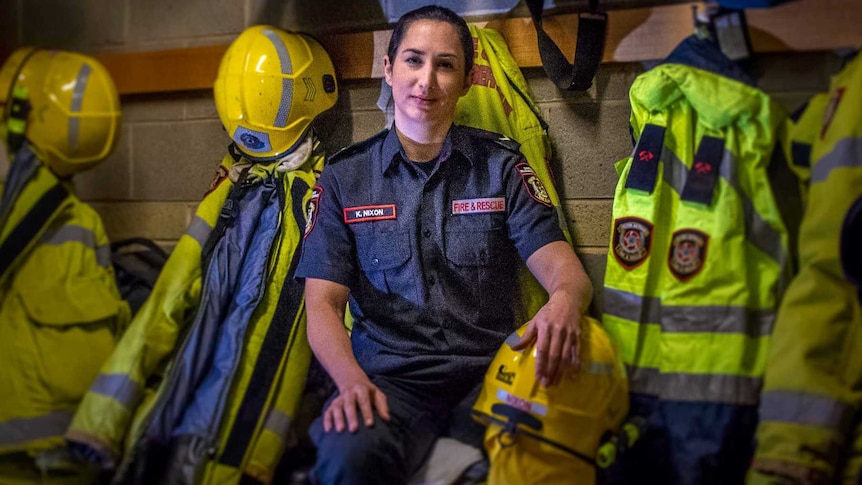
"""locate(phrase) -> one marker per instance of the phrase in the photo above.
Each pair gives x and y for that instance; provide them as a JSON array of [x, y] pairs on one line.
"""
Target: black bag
[[137, 264]]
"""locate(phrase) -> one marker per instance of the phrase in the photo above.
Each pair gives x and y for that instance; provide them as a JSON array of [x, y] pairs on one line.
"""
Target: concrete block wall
[[171, 144]]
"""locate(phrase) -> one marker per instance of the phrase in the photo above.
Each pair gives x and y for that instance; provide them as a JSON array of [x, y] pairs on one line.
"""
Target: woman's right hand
[[360, 393]]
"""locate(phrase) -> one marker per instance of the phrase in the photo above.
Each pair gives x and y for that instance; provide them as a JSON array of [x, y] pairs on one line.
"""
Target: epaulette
[[357, 147], [507, 142], [497, 138]]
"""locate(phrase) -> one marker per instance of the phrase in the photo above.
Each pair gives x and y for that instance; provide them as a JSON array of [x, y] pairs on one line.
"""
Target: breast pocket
[[477, 250], [383, 258]]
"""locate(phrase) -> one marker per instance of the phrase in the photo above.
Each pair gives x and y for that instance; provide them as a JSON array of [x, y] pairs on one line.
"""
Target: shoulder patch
[[687, 253], [312, 208], [632, 241], [355, 148], [220, 176], [534, 186]]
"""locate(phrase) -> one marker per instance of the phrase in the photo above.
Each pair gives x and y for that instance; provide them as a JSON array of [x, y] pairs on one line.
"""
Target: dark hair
[[438, 13]]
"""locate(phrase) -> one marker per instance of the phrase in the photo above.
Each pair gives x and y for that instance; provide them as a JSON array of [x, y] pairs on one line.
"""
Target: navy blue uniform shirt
[[431, 258]]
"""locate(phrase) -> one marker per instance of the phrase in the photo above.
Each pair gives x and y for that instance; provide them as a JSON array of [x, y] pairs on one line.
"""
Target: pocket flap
[[383, 251], [72, 302]]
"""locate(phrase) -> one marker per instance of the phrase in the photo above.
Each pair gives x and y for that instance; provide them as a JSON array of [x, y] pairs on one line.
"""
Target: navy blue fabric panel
[[688, 443], [276, 344], [851, 242], [644, 171], [703, 174], [703, 54], [743, 4]]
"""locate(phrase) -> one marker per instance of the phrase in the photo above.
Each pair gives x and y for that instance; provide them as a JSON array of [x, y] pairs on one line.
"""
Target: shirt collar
[[456, 140]]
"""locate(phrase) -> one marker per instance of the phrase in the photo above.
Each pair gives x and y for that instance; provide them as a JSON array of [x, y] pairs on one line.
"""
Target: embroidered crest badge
[[311, 209], [534, 186], [632, 241], [687, 253]]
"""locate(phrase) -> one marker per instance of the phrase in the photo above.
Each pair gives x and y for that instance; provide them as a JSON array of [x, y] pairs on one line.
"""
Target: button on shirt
[[431, 257]]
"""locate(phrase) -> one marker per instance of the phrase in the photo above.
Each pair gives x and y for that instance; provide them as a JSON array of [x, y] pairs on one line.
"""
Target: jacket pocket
[[72, 333]]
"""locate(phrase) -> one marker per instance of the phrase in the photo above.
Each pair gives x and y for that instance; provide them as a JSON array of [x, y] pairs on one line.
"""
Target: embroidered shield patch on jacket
[[632, 241], [687, 253]]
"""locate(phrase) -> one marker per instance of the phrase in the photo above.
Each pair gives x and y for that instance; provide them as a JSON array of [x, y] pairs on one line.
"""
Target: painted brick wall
[[171, 144]]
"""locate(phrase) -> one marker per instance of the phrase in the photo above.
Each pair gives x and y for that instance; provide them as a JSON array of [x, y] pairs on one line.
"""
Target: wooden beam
[[633, 35]]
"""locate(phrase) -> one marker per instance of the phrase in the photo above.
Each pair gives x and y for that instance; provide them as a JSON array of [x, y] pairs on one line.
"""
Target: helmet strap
[[17, 109]]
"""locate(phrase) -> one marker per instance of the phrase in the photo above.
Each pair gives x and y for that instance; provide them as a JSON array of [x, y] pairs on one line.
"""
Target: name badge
[[479, 206], [367, 213]]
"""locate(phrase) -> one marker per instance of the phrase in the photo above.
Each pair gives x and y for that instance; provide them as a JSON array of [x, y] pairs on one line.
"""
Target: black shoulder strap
[[644, 169], [30, 225], [592, 26], [703, 174]]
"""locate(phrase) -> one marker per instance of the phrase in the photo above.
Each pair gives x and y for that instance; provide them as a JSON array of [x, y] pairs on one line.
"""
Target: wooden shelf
[[633, 35]]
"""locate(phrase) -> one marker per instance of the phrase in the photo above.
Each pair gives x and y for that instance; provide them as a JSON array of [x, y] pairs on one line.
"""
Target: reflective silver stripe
[[19, 431], [118, 387], [716, 388], [82, 235], [847, 153], [199, 230], [806, 409], [762, 235], [513, 339], [600, 369], [278, 422], [66, 234], [685, 319], [521, 403], [103, 255], [286, 83], [77, 102]]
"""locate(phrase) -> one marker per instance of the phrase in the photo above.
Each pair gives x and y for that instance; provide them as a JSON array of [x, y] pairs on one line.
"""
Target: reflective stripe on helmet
[[77, 103], [286, 82]]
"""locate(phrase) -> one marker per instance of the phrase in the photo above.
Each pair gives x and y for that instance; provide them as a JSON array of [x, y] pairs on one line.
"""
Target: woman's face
[[427, 75]]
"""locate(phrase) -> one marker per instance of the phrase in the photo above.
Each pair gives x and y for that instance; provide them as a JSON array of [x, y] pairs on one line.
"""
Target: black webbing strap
[[703, 173], [851, 241], [274, 344], [592, 26], [30, 225], [644, 171], [800, 154]]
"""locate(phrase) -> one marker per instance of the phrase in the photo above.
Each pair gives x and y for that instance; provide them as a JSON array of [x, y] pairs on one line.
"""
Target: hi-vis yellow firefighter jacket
[[698, 261], [499, 101], [60, 310], [247, 424], [810, 429]]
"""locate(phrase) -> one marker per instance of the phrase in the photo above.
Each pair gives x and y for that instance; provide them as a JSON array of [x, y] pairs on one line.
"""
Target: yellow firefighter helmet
[[271, 85], [552, 435], [63, 103]]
